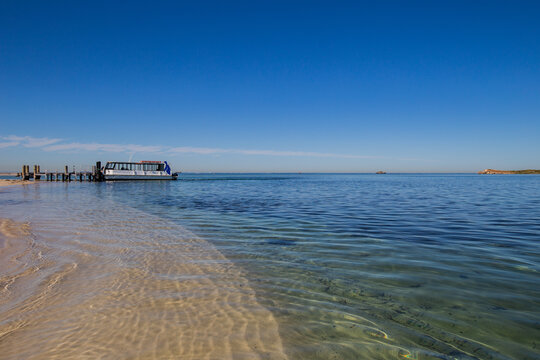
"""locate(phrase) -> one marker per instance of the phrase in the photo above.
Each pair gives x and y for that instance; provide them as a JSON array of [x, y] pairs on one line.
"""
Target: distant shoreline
[[494, 172]]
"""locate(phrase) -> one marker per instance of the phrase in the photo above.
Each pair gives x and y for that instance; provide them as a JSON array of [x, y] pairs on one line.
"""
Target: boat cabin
[[144, 170], [140, 166]]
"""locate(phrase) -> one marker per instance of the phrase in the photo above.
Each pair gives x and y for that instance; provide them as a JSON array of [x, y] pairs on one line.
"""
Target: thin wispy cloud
[[8, 144], [28, 141], [206, 151], [54, 144], [116, 148]]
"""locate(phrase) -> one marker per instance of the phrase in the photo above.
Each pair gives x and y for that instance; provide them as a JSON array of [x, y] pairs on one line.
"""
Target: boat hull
[[139, 177]]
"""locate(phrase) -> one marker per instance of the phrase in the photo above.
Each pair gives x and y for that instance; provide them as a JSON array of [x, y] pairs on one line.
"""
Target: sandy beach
[[8, 182], [135, 286]]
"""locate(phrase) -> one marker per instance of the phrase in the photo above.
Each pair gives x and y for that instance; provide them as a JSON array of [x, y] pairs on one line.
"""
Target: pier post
[[98, 175], [36, 172]]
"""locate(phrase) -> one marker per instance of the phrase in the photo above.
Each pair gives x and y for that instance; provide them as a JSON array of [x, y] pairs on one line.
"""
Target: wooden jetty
[[96, 175]]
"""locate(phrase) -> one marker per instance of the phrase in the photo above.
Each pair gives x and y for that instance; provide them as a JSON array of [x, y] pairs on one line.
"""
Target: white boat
[[144, 170]]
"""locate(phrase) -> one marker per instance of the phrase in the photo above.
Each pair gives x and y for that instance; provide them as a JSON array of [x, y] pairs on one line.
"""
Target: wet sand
[[118, 283]]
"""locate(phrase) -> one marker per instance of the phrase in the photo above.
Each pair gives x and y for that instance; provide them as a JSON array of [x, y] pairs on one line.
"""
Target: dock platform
[[95, 175]]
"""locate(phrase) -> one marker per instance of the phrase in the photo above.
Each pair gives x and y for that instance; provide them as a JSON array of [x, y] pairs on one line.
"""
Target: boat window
[[160, 167]]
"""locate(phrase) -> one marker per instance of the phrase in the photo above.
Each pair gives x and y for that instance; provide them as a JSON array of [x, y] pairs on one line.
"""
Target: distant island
[[380, 172], [492, 171]]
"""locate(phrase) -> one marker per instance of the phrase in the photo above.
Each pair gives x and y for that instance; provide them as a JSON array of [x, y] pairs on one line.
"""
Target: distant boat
[[380, 172], [144, 170]]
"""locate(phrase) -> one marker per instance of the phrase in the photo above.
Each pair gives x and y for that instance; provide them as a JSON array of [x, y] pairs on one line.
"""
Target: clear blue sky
[[272, 85]]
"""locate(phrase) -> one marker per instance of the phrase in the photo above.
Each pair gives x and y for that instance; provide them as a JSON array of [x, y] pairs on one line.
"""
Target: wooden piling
[[36, 172]]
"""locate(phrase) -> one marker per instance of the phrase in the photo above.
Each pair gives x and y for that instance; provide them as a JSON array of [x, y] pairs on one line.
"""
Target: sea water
[[298, 266]]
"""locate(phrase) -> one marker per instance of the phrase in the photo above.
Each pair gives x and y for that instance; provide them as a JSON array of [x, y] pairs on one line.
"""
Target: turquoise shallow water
[[361, 266]]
